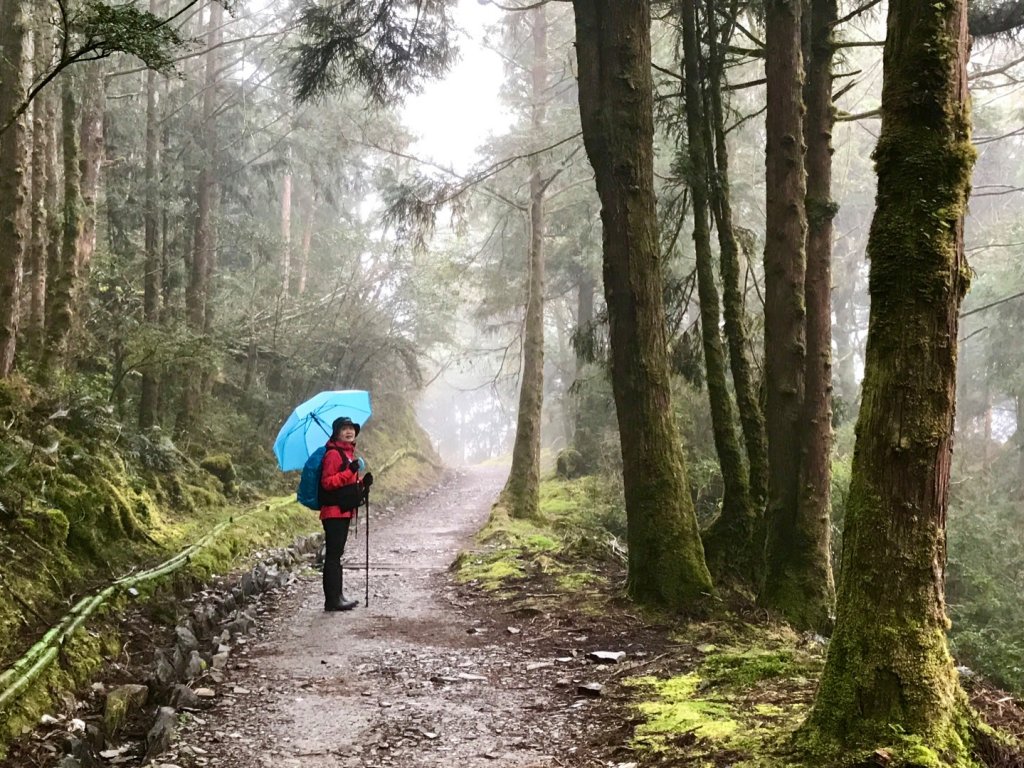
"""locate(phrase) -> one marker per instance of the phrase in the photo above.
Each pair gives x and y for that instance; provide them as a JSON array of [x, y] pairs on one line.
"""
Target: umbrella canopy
[[309, 426]]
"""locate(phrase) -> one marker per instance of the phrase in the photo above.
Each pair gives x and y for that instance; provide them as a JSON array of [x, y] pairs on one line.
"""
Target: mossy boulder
[[48, 527], [220, 466], [569, 464], [121, 701]]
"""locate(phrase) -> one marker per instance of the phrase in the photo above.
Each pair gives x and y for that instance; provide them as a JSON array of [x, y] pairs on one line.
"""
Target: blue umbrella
[[309, 426]]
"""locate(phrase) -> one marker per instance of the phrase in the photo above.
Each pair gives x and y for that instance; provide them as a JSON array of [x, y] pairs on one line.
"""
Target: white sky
[[454, 116]]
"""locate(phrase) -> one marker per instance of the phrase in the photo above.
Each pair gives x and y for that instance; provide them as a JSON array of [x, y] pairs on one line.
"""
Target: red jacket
[[332, 476]]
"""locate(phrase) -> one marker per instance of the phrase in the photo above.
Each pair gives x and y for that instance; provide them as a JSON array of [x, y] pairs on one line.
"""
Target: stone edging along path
[[219, 614]]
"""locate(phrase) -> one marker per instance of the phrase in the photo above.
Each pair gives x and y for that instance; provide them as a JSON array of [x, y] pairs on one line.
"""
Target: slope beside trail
[[420, 678]]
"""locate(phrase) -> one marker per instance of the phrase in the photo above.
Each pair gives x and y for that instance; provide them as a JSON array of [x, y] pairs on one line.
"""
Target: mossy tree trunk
[[587, 426], [794, 586], [522, 489], [44, 180], [149, 397], [83, 104], [61, 300], [728, 542], [734, 310], [94, 97], [613, 49], [889, 669], [14, 172]]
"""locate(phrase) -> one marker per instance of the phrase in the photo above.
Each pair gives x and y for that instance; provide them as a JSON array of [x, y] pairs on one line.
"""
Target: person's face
[[348, 434]]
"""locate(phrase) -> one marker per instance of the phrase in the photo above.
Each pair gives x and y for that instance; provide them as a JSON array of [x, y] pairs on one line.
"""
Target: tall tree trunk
[[61, 302], [83, 146], [91, 162], [889, 670], [730, 545], [784, 316], [54, 212], [845, 330], [307, 243], [44, 179], [149, 398], [521, 494], [613, 49], [286, 230], [15, 52], [1018, 439], [800, 574], [197, 311], [586, 438], [733, 304]]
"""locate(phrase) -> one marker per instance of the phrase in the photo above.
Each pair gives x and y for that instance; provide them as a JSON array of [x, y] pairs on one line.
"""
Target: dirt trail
[[417, 679]]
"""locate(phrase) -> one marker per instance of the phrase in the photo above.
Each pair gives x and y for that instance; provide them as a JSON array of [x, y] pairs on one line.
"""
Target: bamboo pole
[[16, 678]]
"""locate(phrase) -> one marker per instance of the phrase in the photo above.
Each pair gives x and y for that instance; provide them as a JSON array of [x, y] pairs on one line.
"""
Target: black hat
[[344, 421]]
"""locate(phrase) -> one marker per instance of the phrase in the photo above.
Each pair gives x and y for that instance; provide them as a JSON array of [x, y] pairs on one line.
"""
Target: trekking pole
[[367, 603]]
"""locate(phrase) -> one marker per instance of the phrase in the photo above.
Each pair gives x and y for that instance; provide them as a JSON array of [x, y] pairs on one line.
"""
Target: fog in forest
[[213, 211]]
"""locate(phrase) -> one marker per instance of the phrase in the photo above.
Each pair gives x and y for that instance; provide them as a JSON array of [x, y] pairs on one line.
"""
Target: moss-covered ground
[[729, 689], [745, 693], [567, 543]]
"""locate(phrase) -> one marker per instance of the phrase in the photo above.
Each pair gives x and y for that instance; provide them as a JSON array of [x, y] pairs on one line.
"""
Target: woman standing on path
[[341, 492]]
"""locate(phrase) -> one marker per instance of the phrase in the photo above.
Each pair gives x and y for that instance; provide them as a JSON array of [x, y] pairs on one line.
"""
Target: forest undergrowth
[[728, 686], [85, 500]]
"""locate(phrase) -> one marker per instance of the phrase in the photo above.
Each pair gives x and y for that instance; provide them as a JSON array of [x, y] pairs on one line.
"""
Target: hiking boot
[[341, 605], [334, 598]]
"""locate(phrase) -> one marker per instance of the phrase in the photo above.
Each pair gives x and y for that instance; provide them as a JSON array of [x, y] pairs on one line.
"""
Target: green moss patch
[[491, 570], [565, 541], [745, 668], [675, 711], [748, 691]]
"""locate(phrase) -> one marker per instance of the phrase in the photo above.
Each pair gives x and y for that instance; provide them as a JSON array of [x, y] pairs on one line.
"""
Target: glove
[[367, 479], [357, 465]]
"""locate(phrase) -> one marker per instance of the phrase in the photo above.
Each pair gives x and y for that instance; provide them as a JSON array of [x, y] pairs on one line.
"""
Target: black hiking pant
[[335, 535]]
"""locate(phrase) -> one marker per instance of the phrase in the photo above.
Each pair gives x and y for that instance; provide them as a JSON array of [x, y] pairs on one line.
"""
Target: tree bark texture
[[207, 235], [521, 494], [784, 316], [44, 115], [197, 289], [286, 232], [307, 243], [729, 542], [847, 270], [54, 210], [809, 568], [889, 669], [613, 48], [586, 434], [61, 301], [733, 304], [15, 51], [91, 163], [149, 397]]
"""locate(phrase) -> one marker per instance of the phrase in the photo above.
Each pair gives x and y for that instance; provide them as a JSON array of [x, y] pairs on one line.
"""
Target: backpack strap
[[328, 449]]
